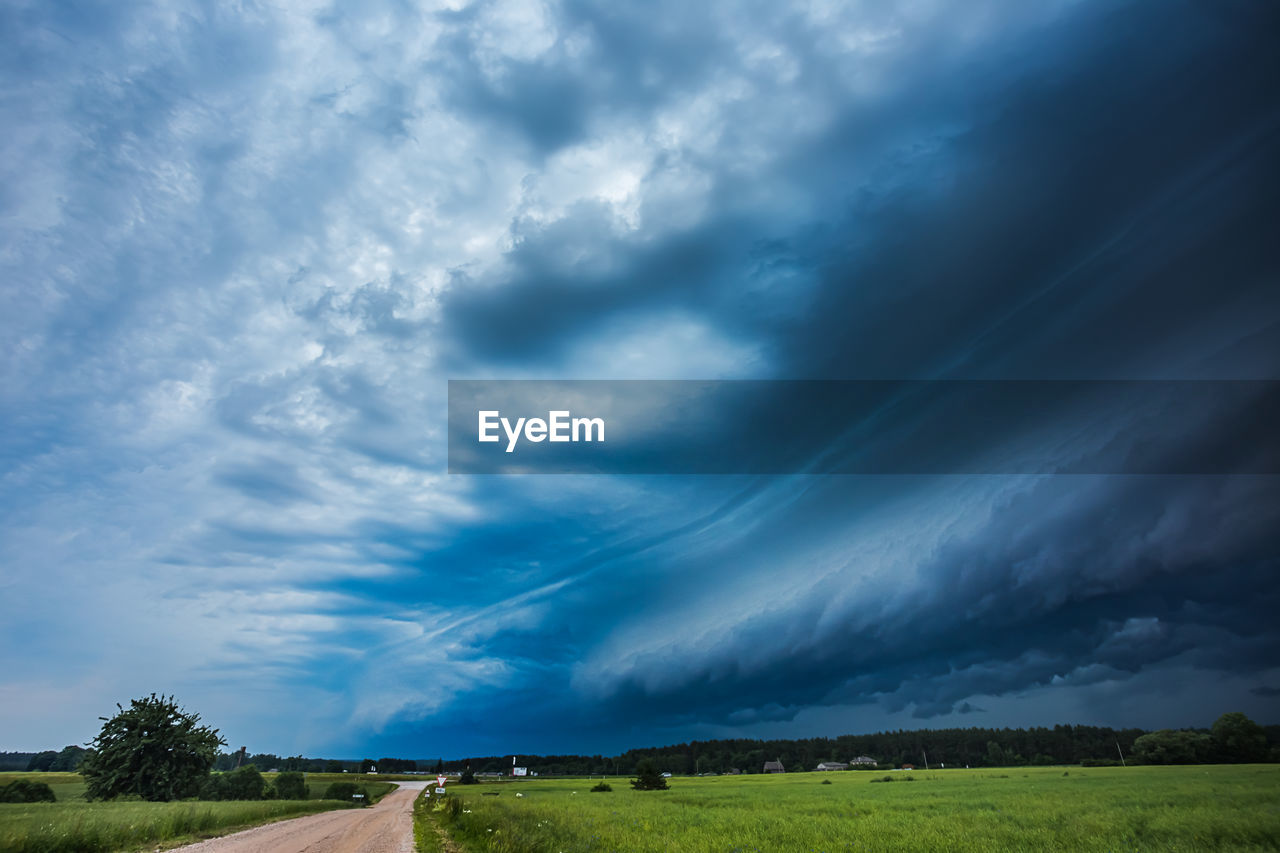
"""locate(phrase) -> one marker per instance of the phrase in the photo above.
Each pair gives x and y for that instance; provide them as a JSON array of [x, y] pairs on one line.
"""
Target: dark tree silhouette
[[1238, 739], [647, 777]]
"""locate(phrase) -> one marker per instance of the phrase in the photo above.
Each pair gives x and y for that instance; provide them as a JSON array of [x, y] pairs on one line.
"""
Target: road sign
[[439, 790], [440, 780]]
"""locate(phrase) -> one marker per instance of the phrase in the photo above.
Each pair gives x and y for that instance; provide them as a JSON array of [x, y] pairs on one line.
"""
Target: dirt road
[[384, 828]]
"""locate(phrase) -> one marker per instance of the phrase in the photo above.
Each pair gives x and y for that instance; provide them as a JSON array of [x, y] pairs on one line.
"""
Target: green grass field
[[120, 826], [1200, 808], [72, 824], [318, 783], [67, 787]]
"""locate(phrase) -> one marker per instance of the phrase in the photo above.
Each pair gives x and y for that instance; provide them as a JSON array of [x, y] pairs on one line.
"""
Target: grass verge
[[127, 826]]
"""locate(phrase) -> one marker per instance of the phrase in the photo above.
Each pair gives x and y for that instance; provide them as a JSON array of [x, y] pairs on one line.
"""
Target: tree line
[[57, 761], [270, 761], [1233, 738], [955, 747]]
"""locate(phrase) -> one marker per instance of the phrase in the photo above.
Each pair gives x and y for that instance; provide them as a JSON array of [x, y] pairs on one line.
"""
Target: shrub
[[452, 807], [468, 778], [291, 785], [346, 791], [245, 783], [602, 787], [215, 788], [23, 791], [826, 781]]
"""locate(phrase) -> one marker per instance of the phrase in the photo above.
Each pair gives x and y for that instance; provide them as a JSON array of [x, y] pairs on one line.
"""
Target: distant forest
[[972, 747]]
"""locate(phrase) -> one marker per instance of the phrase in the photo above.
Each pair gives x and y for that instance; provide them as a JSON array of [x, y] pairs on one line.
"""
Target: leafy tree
[[291, 785], [1238, 739], [333, 767], [24, 791], [467, 777], [647, 777], [266, 760], [68, 760], [65, 761], [1173, 747], [153, 750]]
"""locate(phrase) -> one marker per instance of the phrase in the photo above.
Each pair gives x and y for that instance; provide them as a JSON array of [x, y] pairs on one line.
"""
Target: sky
[[244, 247]]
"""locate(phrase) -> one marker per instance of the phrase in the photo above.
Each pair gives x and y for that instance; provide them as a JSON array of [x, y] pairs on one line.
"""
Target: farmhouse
[[774, 767], [863, 761], [833, 765]]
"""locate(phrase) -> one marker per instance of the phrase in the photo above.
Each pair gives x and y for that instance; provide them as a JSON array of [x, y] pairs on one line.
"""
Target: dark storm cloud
[[1064, 586], [555, 297], [1121, 153], [1088, 218], [1092, 202]]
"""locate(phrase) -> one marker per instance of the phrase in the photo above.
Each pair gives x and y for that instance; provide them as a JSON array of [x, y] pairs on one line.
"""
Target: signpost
[[440, 780]]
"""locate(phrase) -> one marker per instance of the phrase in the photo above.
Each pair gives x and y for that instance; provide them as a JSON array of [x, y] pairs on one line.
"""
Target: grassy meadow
[[67, 787], [1191, 808], [318, 783], [72, 824]]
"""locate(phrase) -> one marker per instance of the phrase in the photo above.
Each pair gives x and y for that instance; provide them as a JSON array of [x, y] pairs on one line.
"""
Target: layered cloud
[[244, 249]]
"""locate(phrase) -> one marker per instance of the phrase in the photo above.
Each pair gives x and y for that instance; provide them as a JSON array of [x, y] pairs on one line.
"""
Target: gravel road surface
[[384, 828]]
